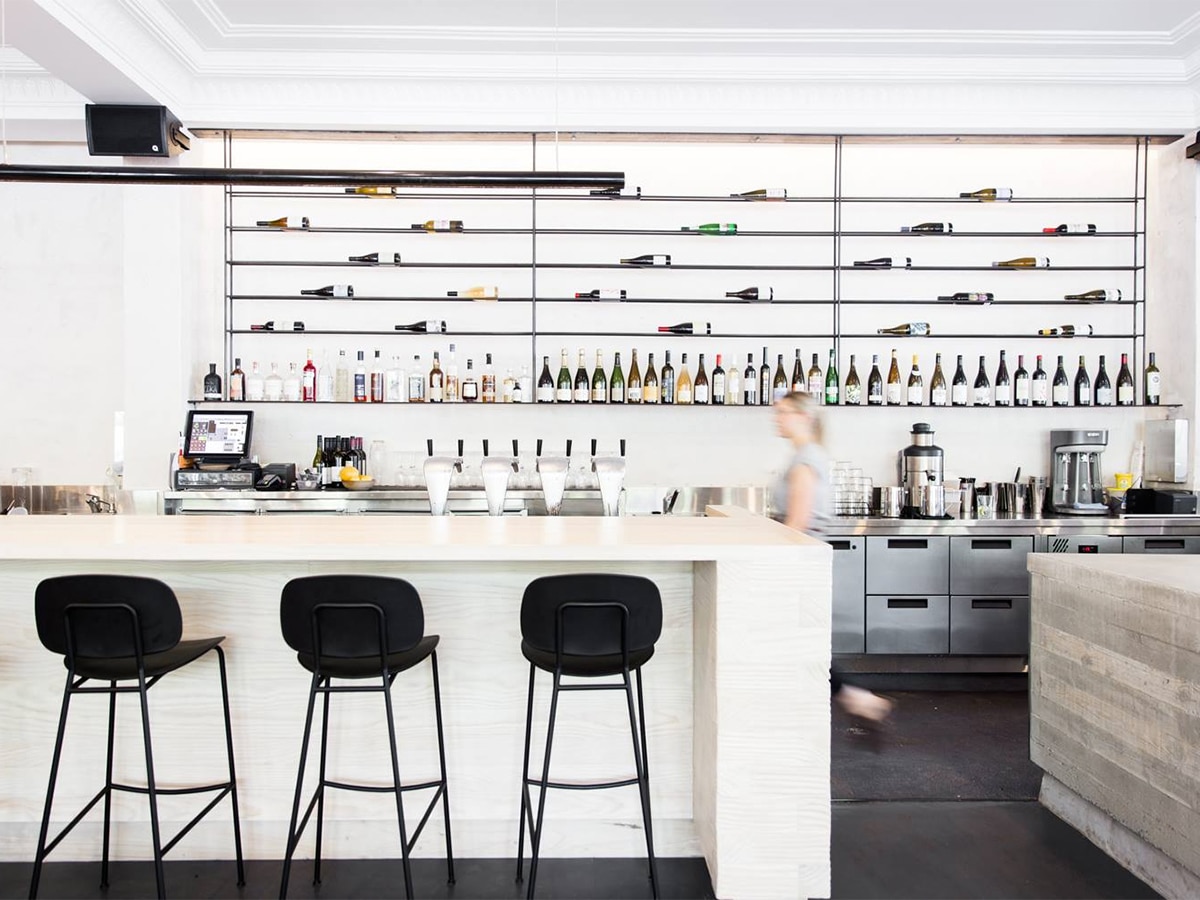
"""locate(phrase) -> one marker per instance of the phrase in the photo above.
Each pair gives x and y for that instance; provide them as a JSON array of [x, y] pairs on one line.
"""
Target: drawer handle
[[907, 544], [907, 603], [991, 604], [840, 545], [991, 543], [1153, 544]]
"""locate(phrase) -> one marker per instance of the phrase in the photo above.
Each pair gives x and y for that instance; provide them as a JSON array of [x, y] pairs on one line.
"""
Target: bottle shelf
[[437, 334], [480, 403], [348, 264], [650, 301], [1015, 201], [991, 269], [680, 337], [993, 337], [1128, 304], [381, 299], [665, 232], [1039, 235]]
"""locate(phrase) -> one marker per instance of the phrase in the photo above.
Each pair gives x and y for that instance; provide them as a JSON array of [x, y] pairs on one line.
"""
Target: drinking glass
[[985, 507]]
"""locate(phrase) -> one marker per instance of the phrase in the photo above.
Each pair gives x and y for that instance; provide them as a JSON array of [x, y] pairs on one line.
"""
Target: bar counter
[[737, 695]]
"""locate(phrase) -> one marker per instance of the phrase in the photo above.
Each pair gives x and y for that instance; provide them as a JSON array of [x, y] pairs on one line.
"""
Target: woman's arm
[[801, 482]]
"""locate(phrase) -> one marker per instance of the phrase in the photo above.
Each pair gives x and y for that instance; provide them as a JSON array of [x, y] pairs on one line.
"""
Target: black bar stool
[[117, 628], [587, 626], [354, 627]]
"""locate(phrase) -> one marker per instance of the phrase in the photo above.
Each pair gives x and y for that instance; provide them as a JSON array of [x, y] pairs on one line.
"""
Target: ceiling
[[1046, 66]]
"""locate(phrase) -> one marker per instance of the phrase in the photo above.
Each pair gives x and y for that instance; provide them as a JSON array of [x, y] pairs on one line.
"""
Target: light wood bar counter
[[737, 694]]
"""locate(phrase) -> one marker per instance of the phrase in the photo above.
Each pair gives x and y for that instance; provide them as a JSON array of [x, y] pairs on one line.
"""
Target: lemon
[[348, 473]]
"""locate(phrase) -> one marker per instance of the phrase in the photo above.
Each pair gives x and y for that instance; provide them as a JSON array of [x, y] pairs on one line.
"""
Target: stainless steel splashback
[[1167, 451]]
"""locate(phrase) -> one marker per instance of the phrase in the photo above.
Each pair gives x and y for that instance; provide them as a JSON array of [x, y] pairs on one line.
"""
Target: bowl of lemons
[[353, 480]]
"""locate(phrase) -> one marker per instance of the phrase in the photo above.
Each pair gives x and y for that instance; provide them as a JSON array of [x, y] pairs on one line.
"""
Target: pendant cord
[[4, 79]]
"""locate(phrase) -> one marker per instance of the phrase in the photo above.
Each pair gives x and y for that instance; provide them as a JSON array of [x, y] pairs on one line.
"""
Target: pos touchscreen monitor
[[218, 437]]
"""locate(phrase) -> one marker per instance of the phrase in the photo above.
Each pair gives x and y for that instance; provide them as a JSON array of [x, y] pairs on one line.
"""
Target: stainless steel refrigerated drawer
[[908, 565], [849, 593], [989, 564], [1182, 544], [994, 626], [908, 624]]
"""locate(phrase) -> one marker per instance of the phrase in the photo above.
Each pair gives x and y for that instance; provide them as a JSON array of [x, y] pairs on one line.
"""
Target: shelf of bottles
[[822, 264]]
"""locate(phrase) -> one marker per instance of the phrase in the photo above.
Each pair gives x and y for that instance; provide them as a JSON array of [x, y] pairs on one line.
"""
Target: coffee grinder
[[1077, 483], [922, 467]]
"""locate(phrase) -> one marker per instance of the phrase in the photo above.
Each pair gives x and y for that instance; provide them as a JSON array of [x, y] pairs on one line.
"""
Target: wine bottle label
[[831, 395], [983, 396], [937, 397], [1037, 391], [1062, 395], [1104, 396], [1153, 384], [958, 395], [581, 395], [915, 395], [599, 395], [701, 393], [1022, 390], [1003, 394], [563, 395], [719, 385], [650, 393], [893, 394], [815, 384], [854, 394], [1125, 395], [683, 394], [545, 394], [1084, 399], [633, 393]]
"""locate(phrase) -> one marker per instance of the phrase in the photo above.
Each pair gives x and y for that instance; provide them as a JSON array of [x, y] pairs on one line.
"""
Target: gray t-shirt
[[812, 455]]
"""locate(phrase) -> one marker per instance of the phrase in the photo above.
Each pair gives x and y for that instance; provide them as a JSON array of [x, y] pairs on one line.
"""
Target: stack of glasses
[[851, 490]]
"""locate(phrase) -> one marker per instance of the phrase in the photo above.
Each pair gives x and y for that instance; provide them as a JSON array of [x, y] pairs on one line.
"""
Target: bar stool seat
[[154, 664], [368, 666], [586, 666]]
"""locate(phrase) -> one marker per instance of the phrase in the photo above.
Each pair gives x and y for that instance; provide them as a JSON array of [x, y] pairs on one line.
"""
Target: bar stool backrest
[[592, 623], [347, 624], [106, 616]]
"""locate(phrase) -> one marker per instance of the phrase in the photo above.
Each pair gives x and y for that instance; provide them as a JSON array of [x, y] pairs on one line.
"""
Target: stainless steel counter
[[372, 502], [1062, 525]]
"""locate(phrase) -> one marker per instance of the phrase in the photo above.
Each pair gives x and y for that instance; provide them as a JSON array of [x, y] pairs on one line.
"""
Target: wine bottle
[[713, 228], [343, 391], [1103, 390], [667, 381], [1125, 392], [308, 389], [685, 328], [510, 387], [281, 222], [1023, 262], [1083, 384], [1071, 228], [282, 325], [929, 228], [700, 384], [330, 290], [1039, 392], [885, 262], [452, 392], [958, 385], [427, 326], [1100, 295], [616, 383], [583, 384], [987, 194], [779, 385], [416, 381], [1003, 383], [1066, 331], [360, 380], [318, 462], [563, 391], [799, 383], [832, 382], [750, 383], [436, 392], [1021, 393], [601, 294], [371, 190], [487, 381], [650, 391], [468, 389], [1060, 390], [720, 383], [753, 294], [764, 381], [893, 395], [633, 384], [545, 385], [372, 258], [478, 292], [916, 385], [648, 259], [938, 395], [237, 382], [683, 384], [853, 386], [816, 380], [212, 383], [733, 385], [1152, 382], [763, 194], [874, 384], [907, 328], [438, 225], [968, 297], [599, 380], [983, 387]]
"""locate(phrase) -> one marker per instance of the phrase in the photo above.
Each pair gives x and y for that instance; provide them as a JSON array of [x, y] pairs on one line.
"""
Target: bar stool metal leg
[[643, 780], [535, 837], [526, 808], [151, 790], [293, 837], [40, 856], [233, 797], [321, 785], [391, 723], [108, 782], [437, 707]]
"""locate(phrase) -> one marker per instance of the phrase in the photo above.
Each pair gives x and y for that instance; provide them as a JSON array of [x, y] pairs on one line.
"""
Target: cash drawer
[[908, 565], [849, 593], [990, 564], [908, 624], [996, 626]]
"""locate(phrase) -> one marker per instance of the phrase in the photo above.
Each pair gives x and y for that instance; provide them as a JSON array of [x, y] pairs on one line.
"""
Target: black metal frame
[[637, 724], [322, 684], [76, 686]]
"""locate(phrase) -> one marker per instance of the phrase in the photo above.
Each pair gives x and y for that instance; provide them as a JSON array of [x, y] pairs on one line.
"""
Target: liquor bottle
[[799, 382], [212, 383], [318, 463], [683, 384], [700, 384], [599, 380], [450, 394], [395, 388], [983, 388], [1060, 390], [988, 194], [1003, 383], [273, 384], [816, 380], [583, 385], [1083, 384], [436, 392], [929, 228], [308, 388], [648, 259], [292, 385], [1071, 228], [907, 328], [375, 381], [255, 386], [750, 383], [371, 190], [237, 381], [685, 328], [832, 382], [1021, 394], [667, 381], [563, 387], [764, 381], [885, 262], [1125, 391], [753, 294], [601, 294], [416, 381], [360, 380], [633, 384], [713, 228], [616, 382], [330, 290], [763, 194], [510, 388], [874, 383], [720, 384], [438, 225], [916, 385], [892, 390], [958, 385], [525, 386], [487, 381], [853, 386], [427, 326], [1023, 262], [477, 292], [1100, 295], [968, 297], [1103, 389], [938, 395], [1066, 331], [1039, 392], [281, 222], [650, 391], [343, 391], [1152, 383], [733, 386], [469, 388], [779, 385], [545, 385]]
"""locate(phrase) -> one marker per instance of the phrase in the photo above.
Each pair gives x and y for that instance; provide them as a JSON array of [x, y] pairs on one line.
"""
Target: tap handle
[[622, 446], [485, 447], [515, 452], [568, 448], [539, 446], [460, 446], [593, 446], [429, 445]]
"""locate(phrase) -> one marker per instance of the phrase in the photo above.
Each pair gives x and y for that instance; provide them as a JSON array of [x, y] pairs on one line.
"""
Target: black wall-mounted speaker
[[126, 130]]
